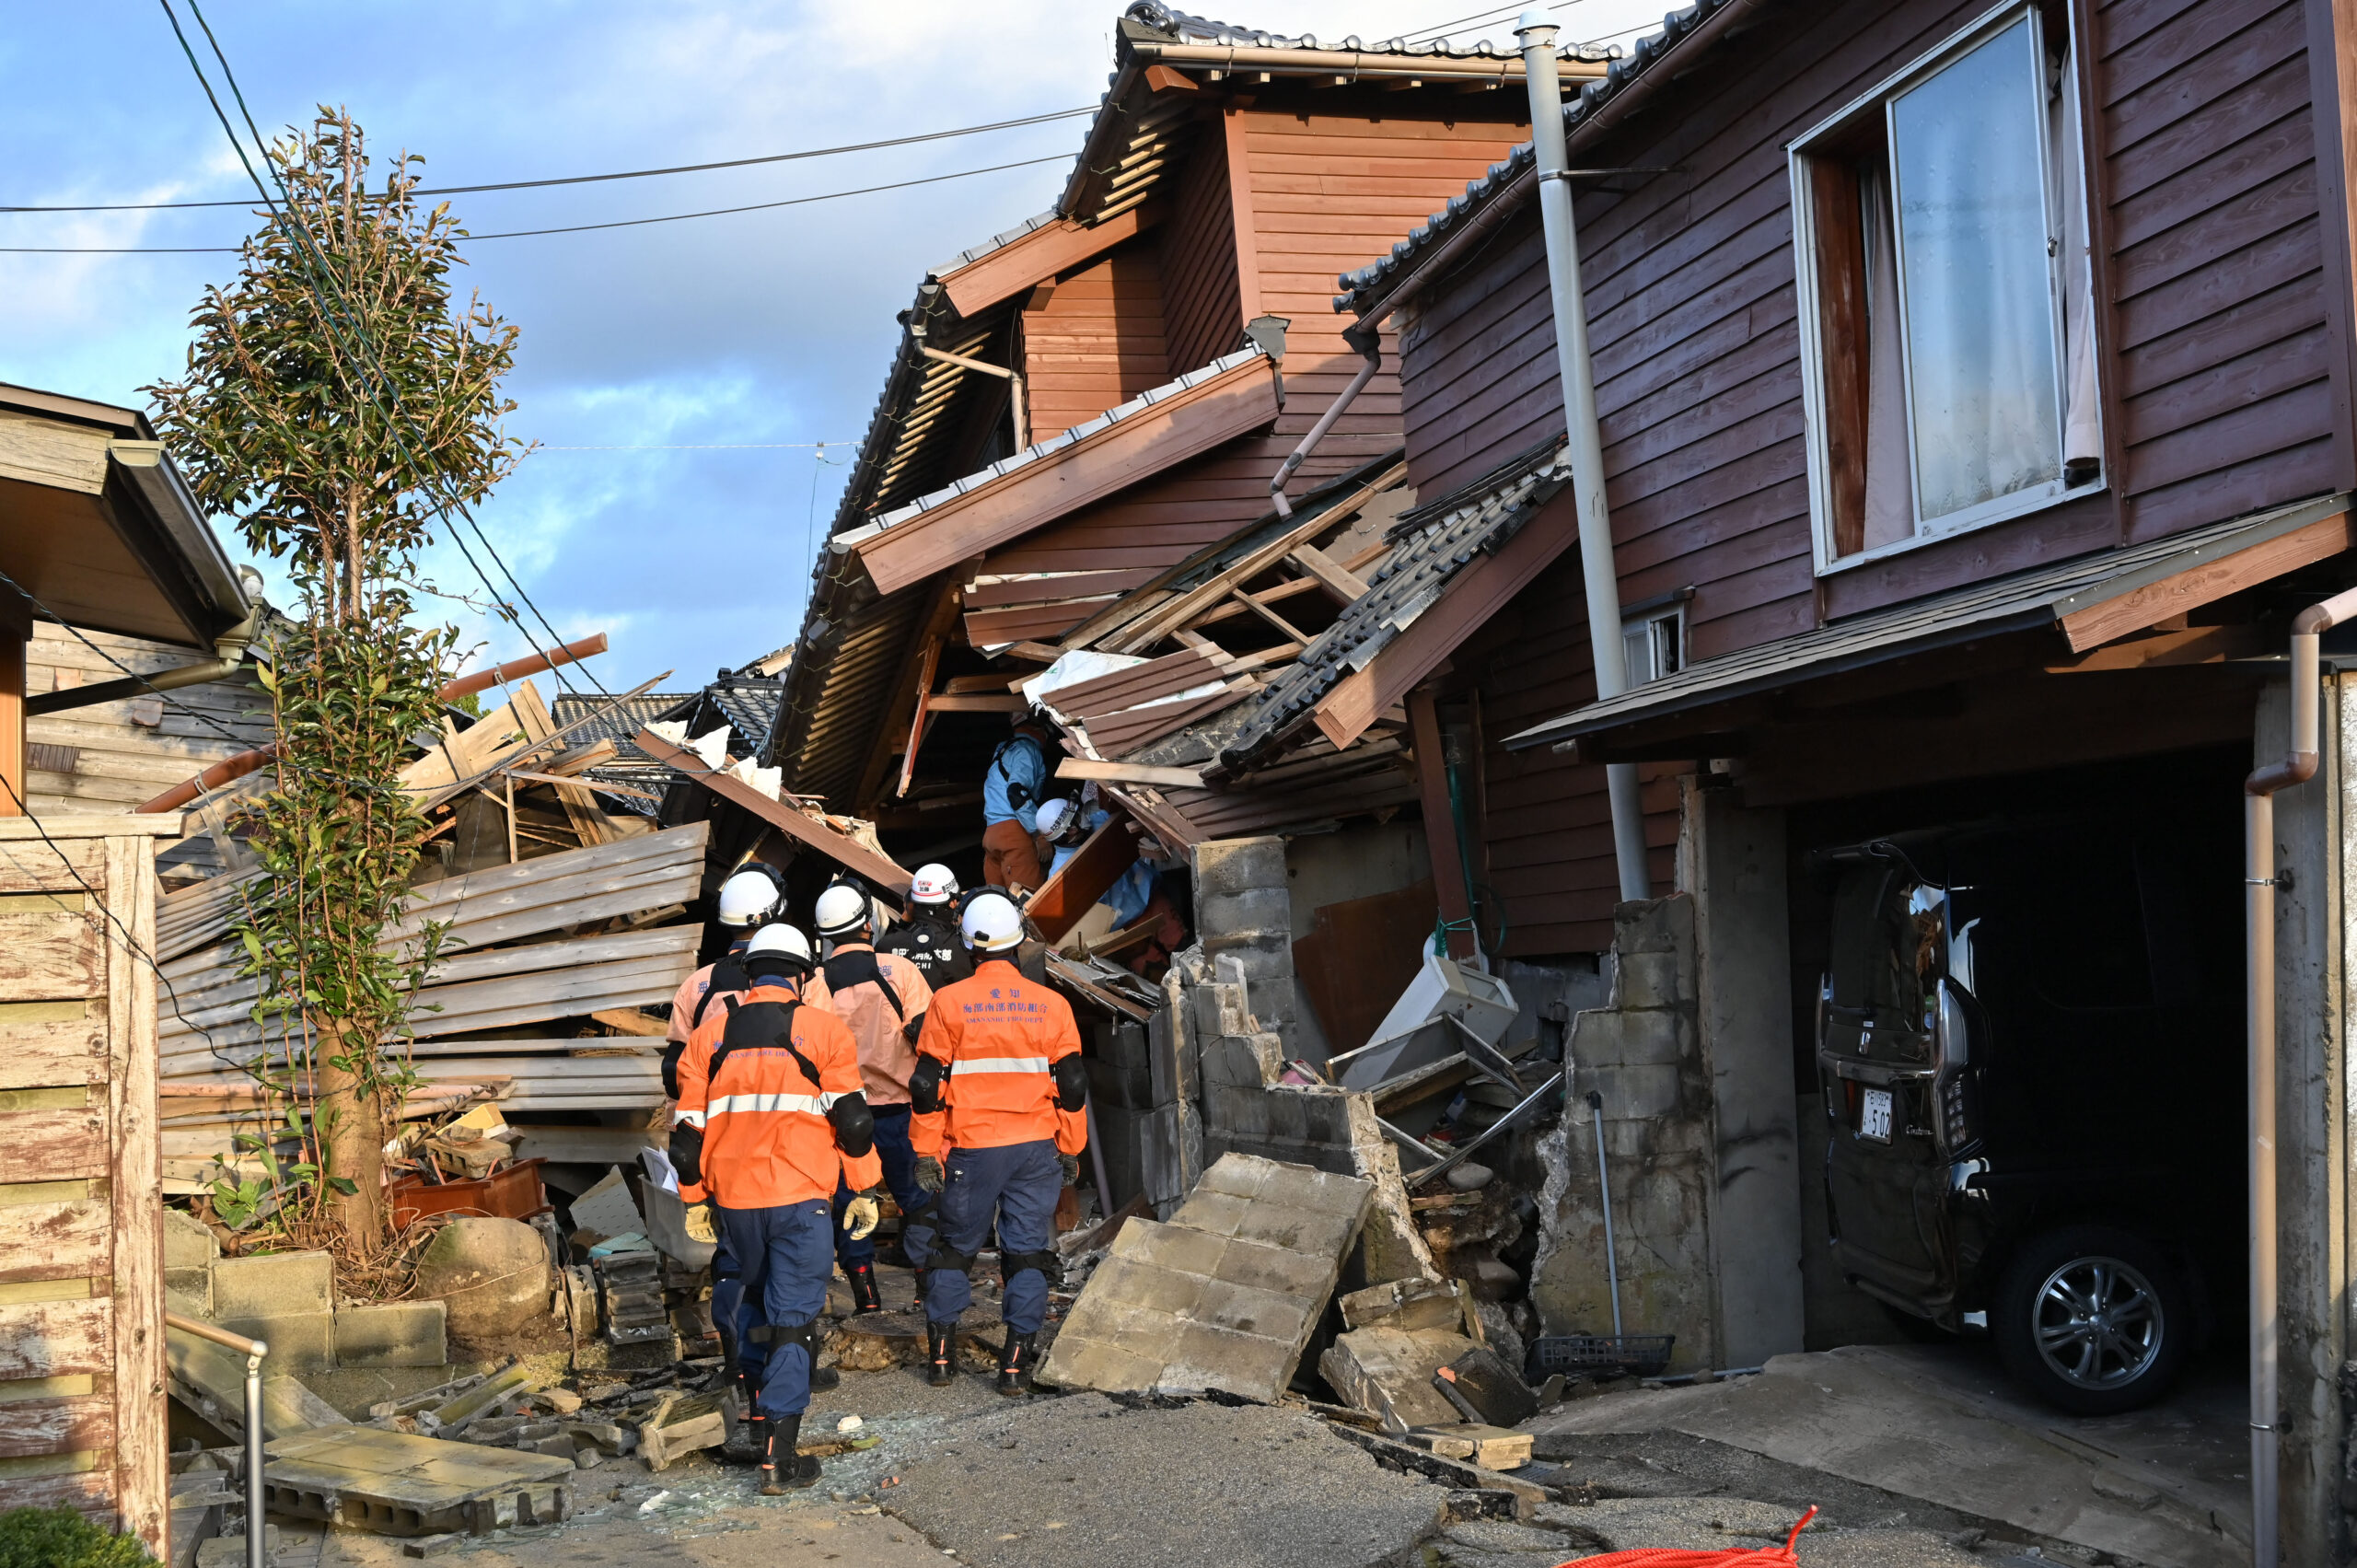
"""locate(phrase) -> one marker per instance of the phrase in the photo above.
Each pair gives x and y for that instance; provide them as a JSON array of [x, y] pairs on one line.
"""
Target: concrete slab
[[394, 1485], [1918, 1423]]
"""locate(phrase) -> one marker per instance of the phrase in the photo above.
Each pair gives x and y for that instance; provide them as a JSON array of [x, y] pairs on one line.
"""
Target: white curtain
[[2082, 431], [1890, 487]]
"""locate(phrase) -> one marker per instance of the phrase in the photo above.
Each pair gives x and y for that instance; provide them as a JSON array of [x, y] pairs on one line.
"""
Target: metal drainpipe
[[1367, 338], [1602, 579], [2258, 899]]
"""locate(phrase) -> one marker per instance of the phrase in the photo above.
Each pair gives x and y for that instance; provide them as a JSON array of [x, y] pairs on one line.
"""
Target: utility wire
[[710, 447], [562, 229], [596, 178]]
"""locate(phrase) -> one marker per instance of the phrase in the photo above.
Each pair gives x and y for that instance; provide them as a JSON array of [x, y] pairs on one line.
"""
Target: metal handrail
[[253, 1351]]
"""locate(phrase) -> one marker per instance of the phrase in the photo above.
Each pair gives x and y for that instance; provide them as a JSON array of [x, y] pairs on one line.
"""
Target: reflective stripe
[[691, 1117], [737, 1105], [999, 1064]]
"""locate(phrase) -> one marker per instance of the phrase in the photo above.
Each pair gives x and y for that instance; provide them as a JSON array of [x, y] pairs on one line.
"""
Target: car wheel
[[2093, 1320]]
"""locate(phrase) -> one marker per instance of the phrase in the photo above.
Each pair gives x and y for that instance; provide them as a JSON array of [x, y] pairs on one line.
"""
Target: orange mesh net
[[1665, 1557]]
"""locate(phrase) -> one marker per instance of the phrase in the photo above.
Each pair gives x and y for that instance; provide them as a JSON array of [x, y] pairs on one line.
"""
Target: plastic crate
[[512, 1193], [1638, 1355]]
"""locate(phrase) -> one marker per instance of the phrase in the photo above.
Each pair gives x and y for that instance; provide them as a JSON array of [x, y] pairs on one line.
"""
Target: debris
[[229, 1551], [491, 1274], [1454, 1473], [1389, 1373], [848, 1423], [430, 1545], [454, 1414], [682, 1427], [426, 1398], [211, 1381], [605, 1211], [1470, 1177], [1410, 1304], [1492, 1447], [1224, 1296], [399, 1485], [1488, 1384], [630, 1302]]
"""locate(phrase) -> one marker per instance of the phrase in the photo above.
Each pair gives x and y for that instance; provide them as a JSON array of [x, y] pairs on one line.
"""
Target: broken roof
[[1509, 183]]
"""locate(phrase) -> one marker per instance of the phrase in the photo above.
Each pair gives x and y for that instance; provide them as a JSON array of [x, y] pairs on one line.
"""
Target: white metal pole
[[1602, 578]]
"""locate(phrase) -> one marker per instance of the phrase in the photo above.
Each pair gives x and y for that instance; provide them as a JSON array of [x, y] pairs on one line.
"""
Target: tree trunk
[[352, 1141]]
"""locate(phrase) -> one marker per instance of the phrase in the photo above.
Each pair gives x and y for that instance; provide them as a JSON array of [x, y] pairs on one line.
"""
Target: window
[[1947, 305], [1655, 640]]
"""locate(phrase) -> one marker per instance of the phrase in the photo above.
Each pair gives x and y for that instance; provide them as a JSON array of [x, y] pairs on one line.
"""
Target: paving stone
[[276, 1284], [392, 1333], [1224, 1296]]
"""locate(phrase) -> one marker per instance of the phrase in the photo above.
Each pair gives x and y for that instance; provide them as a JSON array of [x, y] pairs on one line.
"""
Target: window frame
[[1643, 619], [1800, 164]]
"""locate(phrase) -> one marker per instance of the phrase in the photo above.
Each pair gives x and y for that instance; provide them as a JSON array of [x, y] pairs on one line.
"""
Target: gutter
[[1356, 64], [2259, 883]]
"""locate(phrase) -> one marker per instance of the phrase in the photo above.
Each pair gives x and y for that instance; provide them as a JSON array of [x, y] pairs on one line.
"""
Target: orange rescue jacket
[[999, 1034], [767, 1142], [885, 1057]]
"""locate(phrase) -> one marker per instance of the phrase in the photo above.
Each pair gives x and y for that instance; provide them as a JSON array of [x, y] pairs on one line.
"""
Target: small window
[[1947, 322], [1656, 643]]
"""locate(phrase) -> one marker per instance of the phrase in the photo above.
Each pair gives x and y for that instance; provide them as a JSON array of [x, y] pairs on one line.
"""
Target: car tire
[[2093, 1320]]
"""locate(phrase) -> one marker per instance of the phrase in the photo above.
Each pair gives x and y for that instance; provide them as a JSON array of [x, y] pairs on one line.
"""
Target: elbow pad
[[1072, 1083], [686, 1154], [924, 1085], [854, 1124]]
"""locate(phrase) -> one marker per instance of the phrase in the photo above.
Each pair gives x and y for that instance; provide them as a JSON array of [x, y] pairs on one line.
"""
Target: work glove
[[928, 1173], [702, 1224], [861, 1216], [1071, 1164]]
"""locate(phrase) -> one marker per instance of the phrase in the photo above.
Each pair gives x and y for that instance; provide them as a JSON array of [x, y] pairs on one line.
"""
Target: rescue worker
[[771, 1120], [1063, 828], [998, 1092], [1013, 786], [882, 998], [750, 898], [930, 939]]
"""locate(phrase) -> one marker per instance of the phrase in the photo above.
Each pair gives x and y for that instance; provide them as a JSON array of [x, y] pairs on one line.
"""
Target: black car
[[2029, 1040]]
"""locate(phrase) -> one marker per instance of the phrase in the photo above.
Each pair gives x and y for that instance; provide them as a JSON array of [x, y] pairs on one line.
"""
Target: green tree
[[338, 399]]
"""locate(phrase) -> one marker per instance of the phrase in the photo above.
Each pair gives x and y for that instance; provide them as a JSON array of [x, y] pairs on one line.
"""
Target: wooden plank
[[55, 1339], [2207, 583], [1099, 862], [1440, 823], [501, 902], [49, 948], [52, 1135], [1164, 676], [57, 1426], [631, 1021], [977, 703], [921, 712], [1118, 733], [581, 807], [1038, 256], [54, 1230], [1330, 575], [1164, 822], [44, 1043], [1129, 772], [1182, 425], [142, 1484], [845, 851], [2202, 645], [1233, 129]]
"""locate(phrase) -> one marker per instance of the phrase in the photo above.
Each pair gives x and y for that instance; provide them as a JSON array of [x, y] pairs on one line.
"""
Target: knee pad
[[941, 1259], [854, 1123], [775, 1334], [1051, 1267]]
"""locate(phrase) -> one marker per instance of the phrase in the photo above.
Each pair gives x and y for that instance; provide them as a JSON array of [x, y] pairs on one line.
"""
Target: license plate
[[1873, 1115]]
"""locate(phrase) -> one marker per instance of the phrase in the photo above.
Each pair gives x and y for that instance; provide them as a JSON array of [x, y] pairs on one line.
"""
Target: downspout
[[2258, 898], [1586, 447], [1366, 336]]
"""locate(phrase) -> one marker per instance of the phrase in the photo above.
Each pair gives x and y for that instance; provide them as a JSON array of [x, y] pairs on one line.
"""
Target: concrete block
[[1409, 1305], [1232, 865], [1172, 1056], [188, 1292], [1648, 1039], [188, 1242], [1114, 1085], [274, 1284], [1229, 1109], [1220, 1009], [1656, 979], [299, 1342], [1241, 1061], [1389, 1373], [1653, 926], [1251, 909], [1635, 1094], [393, 1333]]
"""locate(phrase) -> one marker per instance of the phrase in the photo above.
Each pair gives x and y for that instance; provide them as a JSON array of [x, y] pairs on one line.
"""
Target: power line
[[595, 179], [564, 228], [709, 447]]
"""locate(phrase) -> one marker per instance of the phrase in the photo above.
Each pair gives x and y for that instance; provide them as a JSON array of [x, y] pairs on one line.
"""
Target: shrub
[[60, 1538]]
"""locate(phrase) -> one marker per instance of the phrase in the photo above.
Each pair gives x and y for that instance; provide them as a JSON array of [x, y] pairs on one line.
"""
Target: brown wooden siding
[[1097, 343], [1202, 315]]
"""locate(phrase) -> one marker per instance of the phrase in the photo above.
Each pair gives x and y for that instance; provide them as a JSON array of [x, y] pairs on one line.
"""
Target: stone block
[[392, 1333], [299, 1342], [1232, 865], [274, 1284], [188, 1242]]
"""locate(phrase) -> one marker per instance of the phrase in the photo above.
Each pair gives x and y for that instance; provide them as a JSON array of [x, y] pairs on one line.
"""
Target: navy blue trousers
[[900, 1161], [1016, 1185], [784, 1257]]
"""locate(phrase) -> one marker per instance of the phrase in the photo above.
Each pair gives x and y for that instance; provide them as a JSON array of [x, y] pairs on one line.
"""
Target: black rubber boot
[[865, 1296], [1015, 1363], [782, 1469], [940, 1354], [823, 1377]]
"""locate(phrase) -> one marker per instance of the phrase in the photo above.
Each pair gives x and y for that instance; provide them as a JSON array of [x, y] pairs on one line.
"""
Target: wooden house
[[1974, 386]]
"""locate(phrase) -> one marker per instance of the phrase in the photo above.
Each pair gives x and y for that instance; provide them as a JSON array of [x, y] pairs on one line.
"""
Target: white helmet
[[933, 885], [779, 940], [991, 924], [1056, 815], [749, 898], [842, 909]]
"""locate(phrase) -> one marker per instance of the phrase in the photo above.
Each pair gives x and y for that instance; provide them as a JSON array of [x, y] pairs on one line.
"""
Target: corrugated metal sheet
[[2026, 600]]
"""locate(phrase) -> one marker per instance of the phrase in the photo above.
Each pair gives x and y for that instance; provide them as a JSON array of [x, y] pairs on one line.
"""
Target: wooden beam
[[1440, 823], [1129, 772], [1164, 80], [2206, 584], [631, 1021], [1286, 629], [844, 850], [977, 703], [1329, 574], [1182, 425], [1469, 599], [2200, 645], [1241, 224], [12, 720], [925, 652], [1108, 851], [1038, 257]]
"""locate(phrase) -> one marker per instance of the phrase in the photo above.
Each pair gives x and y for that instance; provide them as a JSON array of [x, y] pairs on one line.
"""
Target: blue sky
[[729, 332]]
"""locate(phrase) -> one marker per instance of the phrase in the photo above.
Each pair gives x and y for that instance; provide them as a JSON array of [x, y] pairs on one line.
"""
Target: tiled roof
[[1433, 544], [1180, 25], [1363, 288]]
